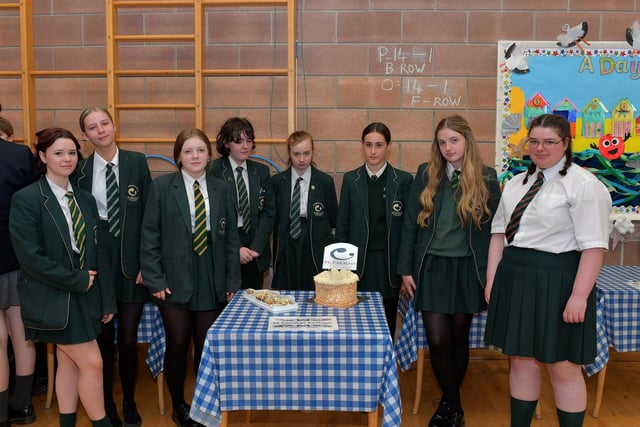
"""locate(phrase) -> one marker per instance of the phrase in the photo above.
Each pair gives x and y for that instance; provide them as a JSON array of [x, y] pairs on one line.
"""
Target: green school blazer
[[262, 209], [41, 239], [353, 214], [322, 207], [134, 180], [166, 247]]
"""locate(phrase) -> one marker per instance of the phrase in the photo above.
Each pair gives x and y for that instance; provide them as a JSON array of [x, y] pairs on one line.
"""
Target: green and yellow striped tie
[[200, 233], [79, 231]]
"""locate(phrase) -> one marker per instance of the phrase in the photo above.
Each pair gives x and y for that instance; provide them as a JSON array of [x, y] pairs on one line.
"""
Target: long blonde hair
[[472, 193]]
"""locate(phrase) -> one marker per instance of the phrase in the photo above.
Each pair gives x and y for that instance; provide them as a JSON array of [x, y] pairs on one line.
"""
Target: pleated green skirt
[[449, 285], [530, 291]]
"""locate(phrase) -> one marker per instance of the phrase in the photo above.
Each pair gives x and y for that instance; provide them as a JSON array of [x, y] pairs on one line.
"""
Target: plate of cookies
[[270, 300]]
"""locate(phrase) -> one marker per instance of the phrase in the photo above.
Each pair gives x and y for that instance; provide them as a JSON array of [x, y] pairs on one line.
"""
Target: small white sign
[[341, 256], [302, 323]]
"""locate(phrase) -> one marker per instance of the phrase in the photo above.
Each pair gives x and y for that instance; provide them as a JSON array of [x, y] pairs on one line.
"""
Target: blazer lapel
[[85, 174], [392, 190], [182, 201], [363, 192], [229, 176], [124, 171], [215, 210], [53, 208], [254, 189]]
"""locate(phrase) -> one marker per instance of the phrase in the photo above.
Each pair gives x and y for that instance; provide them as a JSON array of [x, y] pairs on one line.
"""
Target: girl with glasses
[[548, 240]]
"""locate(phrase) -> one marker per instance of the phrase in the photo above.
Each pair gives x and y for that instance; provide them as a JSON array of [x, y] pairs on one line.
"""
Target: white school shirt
[[568, 213]]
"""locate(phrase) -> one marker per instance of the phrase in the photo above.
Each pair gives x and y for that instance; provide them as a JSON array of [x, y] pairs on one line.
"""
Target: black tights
[[180, 327], [448, 339], [128, 320]]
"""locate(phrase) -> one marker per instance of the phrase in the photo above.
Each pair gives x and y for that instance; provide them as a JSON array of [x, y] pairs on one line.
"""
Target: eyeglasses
[[546, 143]]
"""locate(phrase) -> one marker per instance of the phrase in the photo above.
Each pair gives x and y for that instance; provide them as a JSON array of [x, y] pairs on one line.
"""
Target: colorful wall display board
[[596, 86]]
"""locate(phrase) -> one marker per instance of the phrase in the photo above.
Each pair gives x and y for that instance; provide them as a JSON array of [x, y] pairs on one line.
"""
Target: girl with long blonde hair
[[443, 258]]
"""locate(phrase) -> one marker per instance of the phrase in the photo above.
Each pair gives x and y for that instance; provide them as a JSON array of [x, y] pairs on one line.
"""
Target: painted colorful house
[[569, 111], [623, 118], [593, 116], [534, 107]]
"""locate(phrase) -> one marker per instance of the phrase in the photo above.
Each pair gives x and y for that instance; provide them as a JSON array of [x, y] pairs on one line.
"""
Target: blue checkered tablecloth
[[147, 328], [618, 287], [151, 330], [412, 336], [246, 367]]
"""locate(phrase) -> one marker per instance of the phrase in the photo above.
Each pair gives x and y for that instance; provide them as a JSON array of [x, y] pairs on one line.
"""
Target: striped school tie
[[113, 201], [200, 233], [243, 199], [79, 231], [295, 230], [514, 222], [455, 179]]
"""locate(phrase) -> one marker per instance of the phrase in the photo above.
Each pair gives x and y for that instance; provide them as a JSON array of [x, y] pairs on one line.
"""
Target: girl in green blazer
[[235, 142], [119, 235], [53, 227], [189, 256], [301, 233], [444, 250], [372, 205]]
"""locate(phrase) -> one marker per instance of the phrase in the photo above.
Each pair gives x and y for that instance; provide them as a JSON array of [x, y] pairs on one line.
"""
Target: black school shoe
[[441, 417], [112, 414], [181, 417], [24, 415], [456, 419], [131, 416]]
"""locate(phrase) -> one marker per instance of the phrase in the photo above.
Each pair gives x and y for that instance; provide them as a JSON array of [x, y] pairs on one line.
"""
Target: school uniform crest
[[133, 194], [396, 208], [318, 209]]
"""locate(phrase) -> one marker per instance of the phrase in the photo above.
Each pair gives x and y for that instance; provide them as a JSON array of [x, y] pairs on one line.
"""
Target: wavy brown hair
[[472, 193]]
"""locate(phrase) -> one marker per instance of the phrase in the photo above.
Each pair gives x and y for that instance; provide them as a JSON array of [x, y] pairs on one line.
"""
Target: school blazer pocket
[[43, 307]]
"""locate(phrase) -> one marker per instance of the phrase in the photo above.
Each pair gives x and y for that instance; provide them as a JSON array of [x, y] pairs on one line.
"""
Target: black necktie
[[295, 230], [514, 222], [243, 199], [113, 202], [455, 179]]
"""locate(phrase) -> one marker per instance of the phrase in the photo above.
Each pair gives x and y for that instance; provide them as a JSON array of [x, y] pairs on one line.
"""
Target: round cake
[[336, 288]]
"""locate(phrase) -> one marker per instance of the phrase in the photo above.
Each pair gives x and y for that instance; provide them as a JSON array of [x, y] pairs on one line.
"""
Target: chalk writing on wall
[[409, 70]]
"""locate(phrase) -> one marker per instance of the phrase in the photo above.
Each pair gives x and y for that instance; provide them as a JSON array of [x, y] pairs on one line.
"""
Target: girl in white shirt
[[541, 274]]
